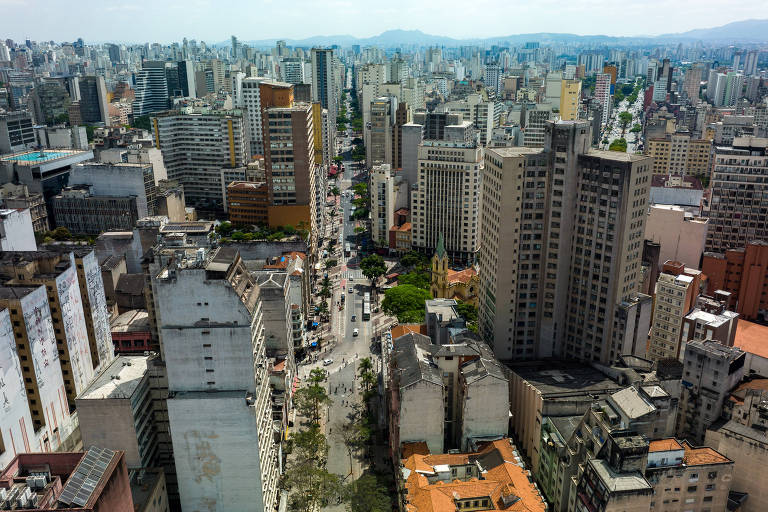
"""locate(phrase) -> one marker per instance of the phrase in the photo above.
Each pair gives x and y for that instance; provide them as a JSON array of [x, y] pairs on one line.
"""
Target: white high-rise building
[[212, 336], [603, 94], [292, 71], [382, 202], [252, 108], [446, 201], [150, 88]]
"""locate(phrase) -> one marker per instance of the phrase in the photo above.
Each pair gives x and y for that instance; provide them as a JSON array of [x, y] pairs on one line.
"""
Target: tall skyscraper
[[187, 78], [446, 202], [324, 86], [210, 322], [379, 140], [692, 83], [197, 143], [93, 100], [570, 99], [151, 89], [560, 241], [738, 185], [603, 94]]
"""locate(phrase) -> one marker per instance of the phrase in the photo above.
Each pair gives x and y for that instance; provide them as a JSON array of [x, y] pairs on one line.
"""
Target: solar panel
[[85, 478]]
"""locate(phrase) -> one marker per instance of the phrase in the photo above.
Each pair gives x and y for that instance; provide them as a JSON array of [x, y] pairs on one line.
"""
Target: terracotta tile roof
[[406, 226], [403, 329], [462, 276], [751, 337], [664, 445], [415, 448], [701, 456], [401, 211], [506, 479]]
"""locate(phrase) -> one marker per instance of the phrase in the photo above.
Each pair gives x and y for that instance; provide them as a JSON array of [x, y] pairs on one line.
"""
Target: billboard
[[99, 314], [45, 359], [75, 328], [15, 419]]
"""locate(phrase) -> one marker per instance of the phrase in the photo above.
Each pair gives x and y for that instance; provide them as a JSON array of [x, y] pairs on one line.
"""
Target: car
[[327, 362], [354, 317], [355, 331], [350, 290]]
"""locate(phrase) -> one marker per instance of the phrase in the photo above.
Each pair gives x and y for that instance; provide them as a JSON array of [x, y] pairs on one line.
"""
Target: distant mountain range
[[747, 31]]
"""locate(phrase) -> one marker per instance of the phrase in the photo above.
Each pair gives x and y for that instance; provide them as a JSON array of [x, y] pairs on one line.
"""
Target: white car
[[327, 362], [355, 331]]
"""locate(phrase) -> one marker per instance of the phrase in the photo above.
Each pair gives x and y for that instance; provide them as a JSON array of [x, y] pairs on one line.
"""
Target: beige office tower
[[560, 248], [446, 200]]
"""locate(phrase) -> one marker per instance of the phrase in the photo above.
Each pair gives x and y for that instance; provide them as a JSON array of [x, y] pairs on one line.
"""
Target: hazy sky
[[215, 20]]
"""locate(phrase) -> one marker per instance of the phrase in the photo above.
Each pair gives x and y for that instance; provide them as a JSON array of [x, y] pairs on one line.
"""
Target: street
[[633, 139], [341, 358]]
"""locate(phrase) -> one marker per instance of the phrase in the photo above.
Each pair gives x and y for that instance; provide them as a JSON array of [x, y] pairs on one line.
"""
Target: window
[[712, 474], [692, 488]]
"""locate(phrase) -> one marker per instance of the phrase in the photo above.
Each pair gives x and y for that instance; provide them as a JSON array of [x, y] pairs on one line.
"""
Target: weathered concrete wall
[[422, 415]]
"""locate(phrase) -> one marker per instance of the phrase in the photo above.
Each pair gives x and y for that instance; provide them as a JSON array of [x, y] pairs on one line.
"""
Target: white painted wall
[[217, 457], [15, 419], [75, 328], [485, 409], [16, 232], [681, 240], [422, 415]]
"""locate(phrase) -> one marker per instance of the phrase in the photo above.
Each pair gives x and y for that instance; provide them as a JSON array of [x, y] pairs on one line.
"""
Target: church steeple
[[440, 251]]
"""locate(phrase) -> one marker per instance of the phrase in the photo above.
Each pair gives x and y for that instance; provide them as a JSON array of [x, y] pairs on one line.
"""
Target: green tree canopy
[[406, 302], [367, 494], [625, 118], [310, 400], [373, 267], [636, 128], [417, 278], [618, 145], [142, 122]]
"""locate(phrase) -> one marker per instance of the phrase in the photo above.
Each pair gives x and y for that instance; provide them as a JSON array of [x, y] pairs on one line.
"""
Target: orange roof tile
[[415, 448], [462, 276], [664, 445], [701, 456], [403, 329], [508, 478], [752, 338], [406, 226]]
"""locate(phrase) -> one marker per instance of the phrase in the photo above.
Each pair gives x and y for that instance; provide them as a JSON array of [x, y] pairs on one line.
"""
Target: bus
[[347, 250], [367, 306]]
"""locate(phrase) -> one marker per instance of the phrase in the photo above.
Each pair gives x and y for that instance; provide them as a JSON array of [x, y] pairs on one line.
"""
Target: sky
[[213, 21]]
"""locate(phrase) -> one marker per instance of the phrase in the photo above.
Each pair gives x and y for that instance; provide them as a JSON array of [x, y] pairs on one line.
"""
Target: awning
[[315, 324], [313, 344]]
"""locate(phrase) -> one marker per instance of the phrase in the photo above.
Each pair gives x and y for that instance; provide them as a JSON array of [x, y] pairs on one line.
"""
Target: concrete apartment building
[[18, 197], [379, 136], [382, 202], [738, 187], [291, 171], [679, 154], [150, 89], [82, 212], [570, 99], [710, 320], [93, 100], [603, 95], [446, 199], [647, 410], [681, 235], [121, 179], [248, 203], [741, 436], [529, 199], [744, 273], [88, 481], [447, 396], [196, 144], [676, 293], [17, 131], [116, 411], [16, 231], [219, 404], [326, 88], [36, 393], [74, 277], [710, 371]]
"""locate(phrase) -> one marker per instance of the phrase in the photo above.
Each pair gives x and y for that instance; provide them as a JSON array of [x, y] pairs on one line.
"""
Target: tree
[[225, 228], [373, 267], [411, 259], [469, 312], [637, 128], [359, 229], [341, 127], [335, 191], [317, 376], [367, 494], [624, 119], [627, 89], [419, 279], [62, 118], [61, 233], [142, 122], [354, 434], [329, 264], [89, 130], [309, 486], [618, 145], [309, 401], [406, 302], [338, 159], [309, 444]]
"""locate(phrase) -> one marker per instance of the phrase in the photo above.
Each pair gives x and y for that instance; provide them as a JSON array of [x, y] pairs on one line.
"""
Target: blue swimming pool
[[36, 157]]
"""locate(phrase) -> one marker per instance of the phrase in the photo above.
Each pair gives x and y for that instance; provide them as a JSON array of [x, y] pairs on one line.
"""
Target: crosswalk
[[352, 274]]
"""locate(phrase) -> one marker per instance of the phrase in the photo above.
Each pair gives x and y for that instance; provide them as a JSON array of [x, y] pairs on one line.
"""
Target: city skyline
[[199, 19]]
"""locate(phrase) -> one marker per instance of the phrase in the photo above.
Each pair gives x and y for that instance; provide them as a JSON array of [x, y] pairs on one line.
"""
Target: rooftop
[[617, 156], [664, 445], [702, 456], [119, 380], [403, 329], [514, 151], [461, 276], [554, 379], [752, 338], [618, 482], [687, 182], [131, 321], [31, 158]]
